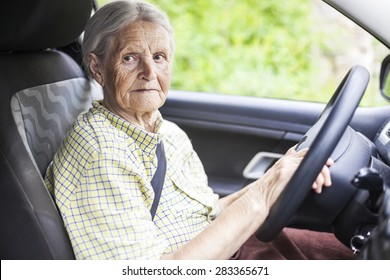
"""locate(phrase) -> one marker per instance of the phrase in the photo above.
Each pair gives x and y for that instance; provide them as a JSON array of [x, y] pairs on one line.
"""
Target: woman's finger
[[317, 185], [327, 178]]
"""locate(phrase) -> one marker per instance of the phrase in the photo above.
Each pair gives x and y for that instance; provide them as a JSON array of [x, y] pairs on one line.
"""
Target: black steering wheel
[[322, 139]]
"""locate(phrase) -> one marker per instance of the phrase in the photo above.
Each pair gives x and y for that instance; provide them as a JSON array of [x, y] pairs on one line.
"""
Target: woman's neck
[[144, 120]]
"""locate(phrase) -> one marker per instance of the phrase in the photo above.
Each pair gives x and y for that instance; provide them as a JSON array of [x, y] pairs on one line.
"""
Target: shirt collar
[[145, 139]]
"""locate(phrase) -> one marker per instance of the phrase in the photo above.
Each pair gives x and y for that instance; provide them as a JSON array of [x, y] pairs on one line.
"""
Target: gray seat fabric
[[44, 114]]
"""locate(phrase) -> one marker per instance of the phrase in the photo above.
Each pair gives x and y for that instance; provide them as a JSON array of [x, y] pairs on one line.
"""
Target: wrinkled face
[[136, 72]]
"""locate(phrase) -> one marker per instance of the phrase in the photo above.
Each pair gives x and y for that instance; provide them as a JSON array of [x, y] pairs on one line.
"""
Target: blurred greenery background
[[296, 49]]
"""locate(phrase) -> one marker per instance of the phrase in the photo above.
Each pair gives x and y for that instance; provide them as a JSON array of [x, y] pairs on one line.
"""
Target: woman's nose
[[148, 70]]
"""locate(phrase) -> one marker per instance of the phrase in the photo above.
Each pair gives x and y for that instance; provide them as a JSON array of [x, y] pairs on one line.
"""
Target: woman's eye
[[158, 57], [129, 58]]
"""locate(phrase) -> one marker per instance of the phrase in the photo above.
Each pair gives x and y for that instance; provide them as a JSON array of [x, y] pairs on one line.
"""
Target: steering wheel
[[322, 139]]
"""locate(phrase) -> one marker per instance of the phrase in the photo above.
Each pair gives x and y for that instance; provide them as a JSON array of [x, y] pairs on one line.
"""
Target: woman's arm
[[244, 212], [226, 201], [224, 236]]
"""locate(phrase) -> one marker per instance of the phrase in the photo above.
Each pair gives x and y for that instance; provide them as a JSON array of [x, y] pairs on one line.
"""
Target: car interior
[[42, 90], [43, 87]]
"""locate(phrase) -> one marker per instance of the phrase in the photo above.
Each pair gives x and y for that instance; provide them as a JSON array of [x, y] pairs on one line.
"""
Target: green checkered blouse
[[100, 179]]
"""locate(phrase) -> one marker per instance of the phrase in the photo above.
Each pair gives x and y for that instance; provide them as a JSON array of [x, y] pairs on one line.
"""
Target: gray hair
[[113, 17]]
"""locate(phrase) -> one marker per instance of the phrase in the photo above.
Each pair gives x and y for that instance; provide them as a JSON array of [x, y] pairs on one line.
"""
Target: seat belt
[[158, 177]]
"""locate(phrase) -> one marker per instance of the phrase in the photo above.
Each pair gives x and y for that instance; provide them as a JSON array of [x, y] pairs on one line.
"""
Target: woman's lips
[[144, 90]]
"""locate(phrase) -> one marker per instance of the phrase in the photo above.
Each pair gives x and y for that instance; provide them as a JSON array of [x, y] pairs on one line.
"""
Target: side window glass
[[297, 49]]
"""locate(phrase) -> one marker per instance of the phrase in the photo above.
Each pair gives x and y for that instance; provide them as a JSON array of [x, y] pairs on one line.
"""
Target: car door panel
[[228, 131]]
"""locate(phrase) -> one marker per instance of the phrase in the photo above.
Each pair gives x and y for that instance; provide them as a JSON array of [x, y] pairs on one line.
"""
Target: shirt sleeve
[[108, 217], [196, 170]]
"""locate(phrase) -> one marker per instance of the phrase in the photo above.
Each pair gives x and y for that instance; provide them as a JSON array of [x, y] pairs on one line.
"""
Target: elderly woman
[[101, 176]]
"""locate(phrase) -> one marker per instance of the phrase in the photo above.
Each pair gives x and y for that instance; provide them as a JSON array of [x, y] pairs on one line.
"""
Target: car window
[[296, 49]]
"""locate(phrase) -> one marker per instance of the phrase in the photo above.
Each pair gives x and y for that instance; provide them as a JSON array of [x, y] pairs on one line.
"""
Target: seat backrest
[[42, 90]]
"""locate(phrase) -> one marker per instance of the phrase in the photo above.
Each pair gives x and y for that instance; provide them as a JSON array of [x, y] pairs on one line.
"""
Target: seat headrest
[[31, 25]]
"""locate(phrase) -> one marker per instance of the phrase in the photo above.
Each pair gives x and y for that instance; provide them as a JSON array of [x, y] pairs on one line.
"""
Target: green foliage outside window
[[265, 48]]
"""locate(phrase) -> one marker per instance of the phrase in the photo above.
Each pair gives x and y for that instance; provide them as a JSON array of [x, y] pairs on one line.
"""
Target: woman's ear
[[95, 66]]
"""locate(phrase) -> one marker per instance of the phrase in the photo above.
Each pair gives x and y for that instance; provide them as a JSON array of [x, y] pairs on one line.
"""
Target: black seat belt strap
[[158, 177]]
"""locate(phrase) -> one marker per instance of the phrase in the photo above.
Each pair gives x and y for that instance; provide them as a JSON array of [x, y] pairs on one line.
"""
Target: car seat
[[42, 90]]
